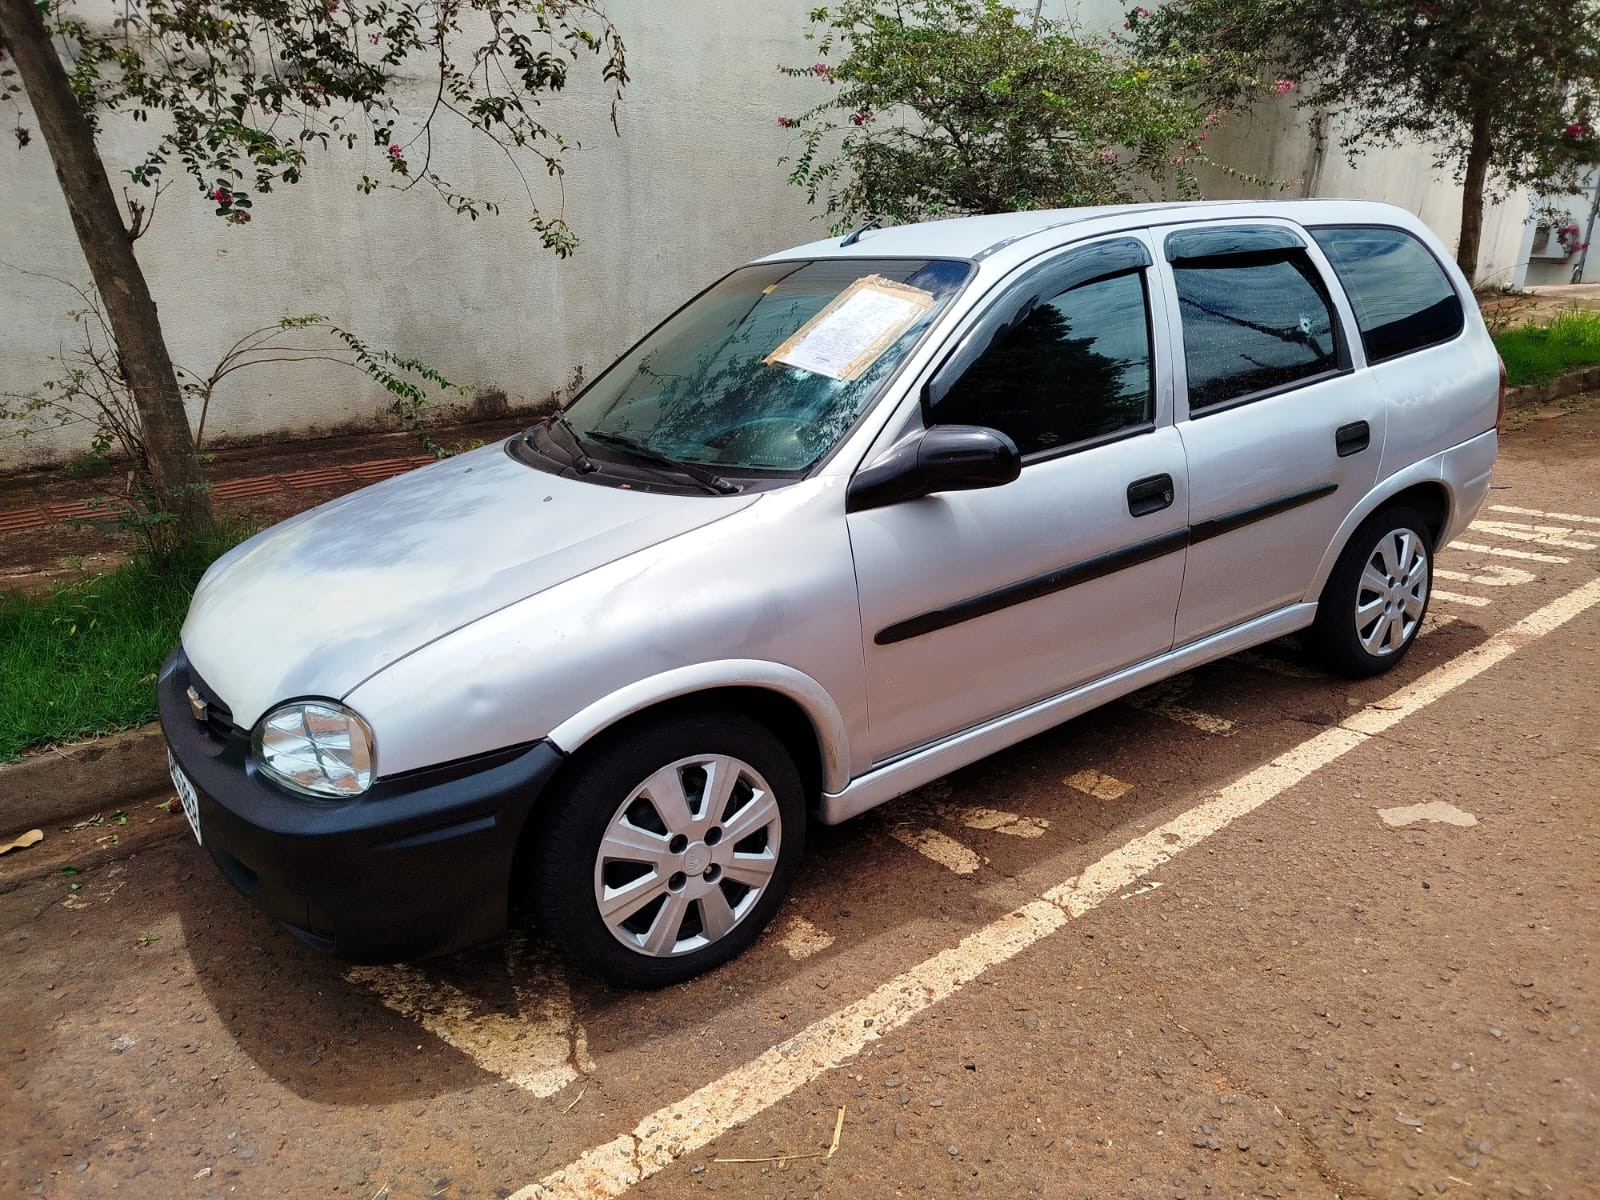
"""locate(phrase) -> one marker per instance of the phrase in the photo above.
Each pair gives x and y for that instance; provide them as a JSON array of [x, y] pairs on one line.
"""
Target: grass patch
[[1538, 353], [82, 660]]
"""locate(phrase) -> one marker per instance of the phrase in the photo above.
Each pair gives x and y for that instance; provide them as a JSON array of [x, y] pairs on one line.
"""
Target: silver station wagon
[[856, 515]]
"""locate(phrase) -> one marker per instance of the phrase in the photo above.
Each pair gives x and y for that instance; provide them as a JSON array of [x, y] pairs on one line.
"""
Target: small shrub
[[1538, 353]]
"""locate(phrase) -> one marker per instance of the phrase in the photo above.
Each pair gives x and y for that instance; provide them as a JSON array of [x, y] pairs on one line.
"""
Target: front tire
[[1376, 597], [669, 847]]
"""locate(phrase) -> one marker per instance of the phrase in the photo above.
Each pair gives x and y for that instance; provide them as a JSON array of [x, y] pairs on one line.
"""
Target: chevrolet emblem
[[197, 704]]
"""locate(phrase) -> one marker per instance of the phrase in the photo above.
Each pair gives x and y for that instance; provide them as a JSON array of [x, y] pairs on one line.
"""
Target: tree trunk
[[142, 352], [1472, 195]]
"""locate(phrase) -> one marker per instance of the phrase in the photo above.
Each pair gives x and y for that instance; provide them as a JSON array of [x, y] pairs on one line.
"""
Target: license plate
[[186, 795]]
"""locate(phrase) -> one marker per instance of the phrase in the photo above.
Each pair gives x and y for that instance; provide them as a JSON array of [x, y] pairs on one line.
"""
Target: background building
[[692, 187]]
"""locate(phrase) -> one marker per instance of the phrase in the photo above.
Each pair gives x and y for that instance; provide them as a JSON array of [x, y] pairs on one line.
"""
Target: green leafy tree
[[1503, 90], [238, 94], [968, 106]]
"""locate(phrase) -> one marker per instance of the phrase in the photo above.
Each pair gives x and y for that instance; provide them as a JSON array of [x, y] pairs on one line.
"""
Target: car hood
[[319, 603]]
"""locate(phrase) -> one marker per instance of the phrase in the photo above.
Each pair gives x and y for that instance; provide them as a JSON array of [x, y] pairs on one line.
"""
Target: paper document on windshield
[[853, 331]]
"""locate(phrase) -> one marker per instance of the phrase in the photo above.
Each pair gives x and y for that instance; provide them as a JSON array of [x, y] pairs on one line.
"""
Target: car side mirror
[[945, 458]]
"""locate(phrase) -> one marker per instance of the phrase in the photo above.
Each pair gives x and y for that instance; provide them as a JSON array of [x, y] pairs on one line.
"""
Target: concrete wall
[[692, 188]]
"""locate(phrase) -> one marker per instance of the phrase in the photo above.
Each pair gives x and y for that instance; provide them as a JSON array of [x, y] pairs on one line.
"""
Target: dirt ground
[[1318, 997]]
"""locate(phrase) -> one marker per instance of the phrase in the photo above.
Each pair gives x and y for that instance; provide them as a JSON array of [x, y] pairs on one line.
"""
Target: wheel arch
[[1422, 487], [792, 704]]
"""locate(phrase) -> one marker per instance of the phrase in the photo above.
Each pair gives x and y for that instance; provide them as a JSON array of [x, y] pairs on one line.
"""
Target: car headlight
[[318, 747]]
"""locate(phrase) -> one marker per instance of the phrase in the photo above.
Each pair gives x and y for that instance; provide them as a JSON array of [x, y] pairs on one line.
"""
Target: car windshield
[[767, 369]]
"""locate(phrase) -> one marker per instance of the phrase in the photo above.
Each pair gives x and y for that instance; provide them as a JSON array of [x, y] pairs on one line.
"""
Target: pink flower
[[1203, 135], [395, 151], [787, 122], [373, 38], [1577, 129], [1177, 158], [1283, 87], [1108, 156], [222, 196], [860, 118]]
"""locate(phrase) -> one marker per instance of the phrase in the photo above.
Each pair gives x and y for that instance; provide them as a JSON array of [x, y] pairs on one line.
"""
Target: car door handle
[[1149, 495], [1352, 438]]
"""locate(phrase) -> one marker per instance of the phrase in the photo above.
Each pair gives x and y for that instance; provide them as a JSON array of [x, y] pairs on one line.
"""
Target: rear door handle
[[1352, 438], [1149, 495]]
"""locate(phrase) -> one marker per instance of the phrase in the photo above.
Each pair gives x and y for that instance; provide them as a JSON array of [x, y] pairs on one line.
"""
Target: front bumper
[[419, 865]]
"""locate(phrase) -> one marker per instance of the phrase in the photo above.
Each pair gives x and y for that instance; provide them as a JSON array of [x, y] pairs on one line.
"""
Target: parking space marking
[[1534, 512], [998, 820], [1276, 666], [1458, 598], [802, 939], [663, 1137], [1508, 552], [1544, 535], [1488, 575], [1162, 700], [939, 847], [1097, 784], [541, 1047]]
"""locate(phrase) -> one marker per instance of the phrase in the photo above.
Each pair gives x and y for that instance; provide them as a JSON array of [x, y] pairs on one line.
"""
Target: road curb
[[1584, 379], [71, 782]]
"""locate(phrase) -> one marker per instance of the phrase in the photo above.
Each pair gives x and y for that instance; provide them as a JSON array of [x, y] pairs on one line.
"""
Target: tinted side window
[[1402, 298], [1252, 323], [1077, 367]]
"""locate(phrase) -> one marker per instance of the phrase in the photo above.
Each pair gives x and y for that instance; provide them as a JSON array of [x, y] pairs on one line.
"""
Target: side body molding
[[833, 741]]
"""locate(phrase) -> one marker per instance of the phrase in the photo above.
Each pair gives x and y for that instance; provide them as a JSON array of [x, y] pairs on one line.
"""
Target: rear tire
[[669, 847], [1376, 597]]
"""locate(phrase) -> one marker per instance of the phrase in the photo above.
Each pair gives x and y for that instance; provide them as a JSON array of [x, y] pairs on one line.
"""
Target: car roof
[[1004, 238]]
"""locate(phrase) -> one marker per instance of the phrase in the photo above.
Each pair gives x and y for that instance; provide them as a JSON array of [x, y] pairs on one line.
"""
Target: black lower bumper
[[419, 865]]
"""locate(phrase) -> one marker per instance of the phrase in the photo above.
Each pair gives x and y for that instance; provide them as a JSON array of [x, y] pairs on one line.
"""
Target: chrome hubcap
[[1393, 593], [687, 855]]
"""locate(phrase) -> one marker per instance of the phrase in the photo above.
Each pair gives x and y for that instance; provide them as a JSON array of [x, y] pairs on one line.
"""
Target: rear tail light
[[1500, 410]]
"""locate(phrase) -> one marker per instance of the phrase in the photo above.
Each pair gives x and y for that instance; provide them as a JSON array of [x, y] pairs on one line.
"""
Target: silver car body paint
[[459, 611], [317, 604]]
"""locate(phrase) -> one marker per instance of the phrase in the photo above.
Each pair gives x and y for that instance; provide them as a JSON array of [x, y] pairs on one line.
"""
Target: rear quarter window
[[1402, 298]]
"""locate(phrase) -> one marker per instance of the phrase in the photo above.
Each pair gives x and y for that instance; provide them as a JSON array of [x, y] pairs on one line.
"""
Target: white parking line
[[1277, 666], [939, 847], [1097, 784], [802, 939], [1162, 700], [1544, 535], [1488, 575], [1534, 512], [661, 1138], [997, 820], [541, 1047], [1458, 598], [1507, 552]]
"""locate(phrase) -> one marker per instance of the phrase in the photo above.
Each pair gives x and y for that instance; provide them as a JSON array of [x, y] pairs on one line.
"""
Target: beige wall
[[692, 188]]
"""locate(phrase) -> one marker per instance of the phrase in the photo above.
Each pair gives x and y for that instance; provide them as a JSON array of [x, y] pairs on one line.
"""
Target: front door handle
[[1149, 495], [1352, 438]]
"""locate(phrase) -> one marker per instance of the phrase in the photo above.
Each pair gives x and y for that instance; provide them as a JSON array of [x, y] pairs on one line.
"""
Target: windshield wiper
[[639, 450], [580, 460]]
